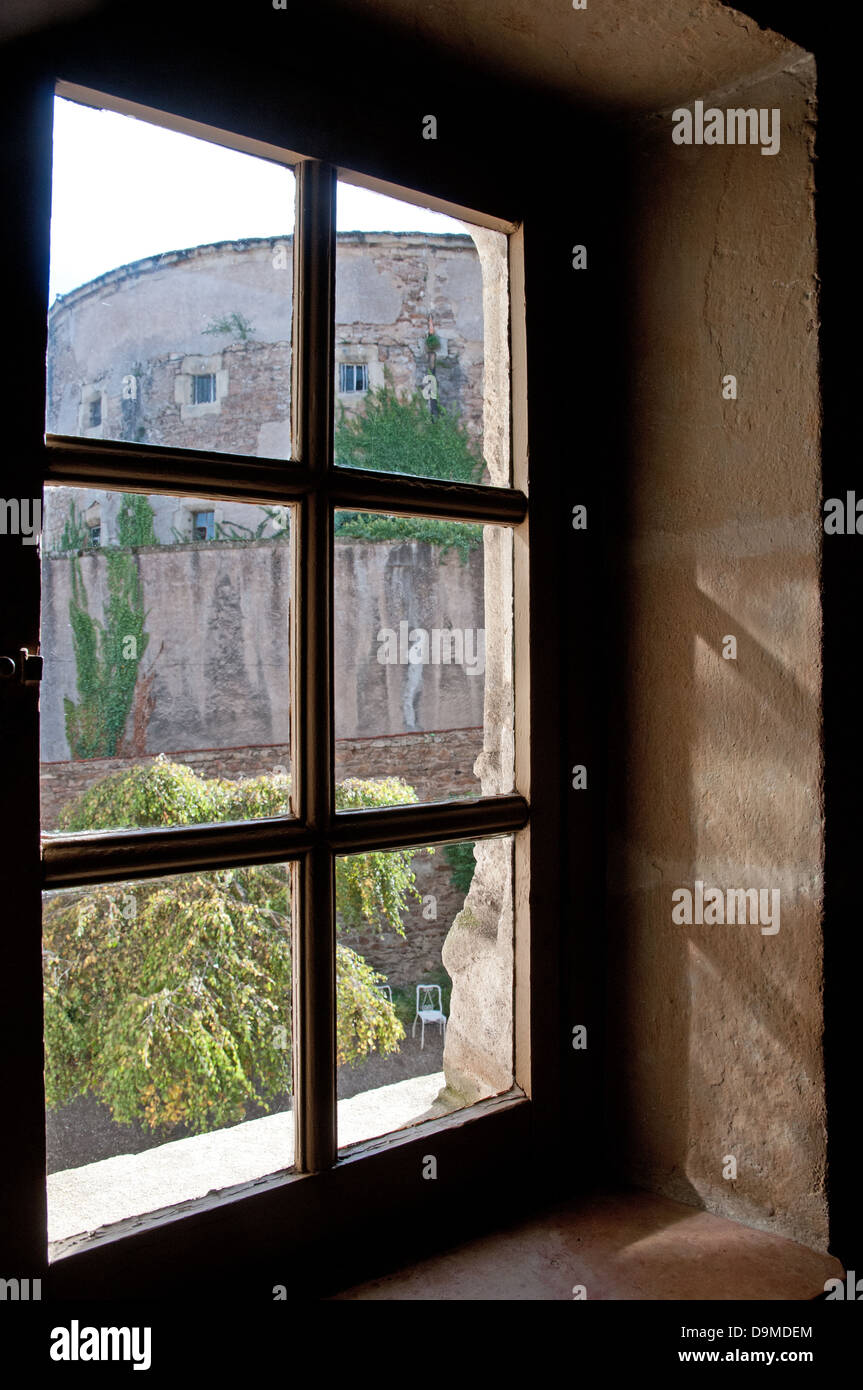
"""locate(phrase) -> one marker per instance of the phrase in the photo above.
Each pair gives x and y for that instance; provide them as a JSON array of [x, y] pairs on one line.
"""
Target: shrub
[[169, 999]]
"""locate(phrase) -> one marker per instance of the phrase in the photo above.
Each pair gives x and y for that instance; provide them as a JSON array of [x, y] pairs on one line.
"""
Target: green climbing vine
[[135, 521], [108, 653]]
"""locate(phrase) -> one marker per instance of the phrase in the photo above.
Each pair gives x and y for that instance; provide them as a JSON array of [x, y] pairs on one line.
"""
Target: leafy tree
[[169, 999]]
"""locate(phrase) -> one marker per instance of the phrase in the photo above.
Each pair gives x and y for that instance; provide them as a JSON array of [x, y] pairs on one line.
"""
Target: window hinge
[[24, 668]]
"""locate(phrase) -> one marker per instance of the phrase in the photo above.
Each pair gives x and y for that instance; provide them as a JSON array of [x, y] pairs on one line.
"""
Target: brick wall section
[[259, 377], [438, 766]]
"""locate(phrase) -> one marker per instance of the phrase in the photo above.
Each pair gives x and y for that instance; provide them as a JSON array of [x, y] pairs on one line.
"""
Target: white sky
[[123, 189]]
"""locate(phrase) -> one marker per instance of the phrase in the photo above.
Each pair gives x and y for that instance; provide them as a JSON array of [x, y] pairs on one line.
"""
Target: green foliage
[[170, 1014], [461, 536], [75, 535], [135, 521], [462, 862], [108, 653], [374, 888], [165, 793], [235, 325], [395, 434], [177, 1011], [107, 656], [366, 1022]]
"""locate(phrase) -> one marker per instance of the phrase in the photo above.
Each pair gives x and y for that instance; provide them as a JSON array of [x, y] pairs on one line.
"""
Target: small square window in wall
[[353, 376], [204, 526], [95, 535], [92, 412], [204, 388]]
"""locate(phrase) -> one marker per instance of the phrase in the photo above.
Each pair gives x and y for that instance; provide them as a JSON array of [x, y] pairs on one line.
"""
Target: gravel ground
[[84, 1132]]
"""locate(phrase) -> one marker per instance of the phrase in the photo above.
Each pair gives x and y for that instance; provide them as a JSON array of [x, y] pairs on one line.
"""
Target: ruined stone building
[[192, 348]]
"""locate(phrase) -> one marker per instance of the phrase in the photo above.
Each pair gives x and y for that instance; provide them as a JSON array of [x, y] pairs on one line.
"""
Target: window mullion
[[314, 930]]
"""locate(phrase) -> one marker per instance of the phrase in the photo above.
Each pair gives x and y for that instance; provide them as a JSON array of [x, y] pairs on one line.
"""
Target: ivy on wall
[[108, 653], [135, 521], [461, 536]]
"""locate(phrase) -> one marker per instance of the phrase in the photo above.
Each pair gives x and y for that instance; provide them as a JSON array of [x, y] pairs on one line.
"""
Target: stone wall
[[216, 662], [714, 1032], [132, 339]]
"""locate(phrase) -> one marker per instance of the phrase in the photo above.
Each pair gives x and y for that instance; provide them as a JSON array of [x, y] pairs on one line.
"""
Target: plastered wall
[[217, 619], [714, 1031]]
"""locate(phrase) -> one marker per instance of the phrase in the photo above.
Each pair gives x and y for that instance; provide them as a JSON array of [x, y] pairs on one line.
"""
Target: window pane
[[422, 342], [171, 283], [423, 657], [167, 1041], [165, 699], [425, 979]]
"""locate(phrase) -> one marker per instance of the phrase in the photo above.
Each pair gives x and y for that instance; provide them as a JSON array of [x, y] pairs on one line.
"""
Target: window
[[203, 524], [95, 412], [302, 842], [95, 534], [353, 376], [204, 388]]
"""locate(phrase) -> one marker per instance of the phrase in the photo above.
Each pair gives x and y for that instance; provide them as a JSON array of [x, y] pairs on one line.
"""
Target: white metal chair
[[429, 1010]]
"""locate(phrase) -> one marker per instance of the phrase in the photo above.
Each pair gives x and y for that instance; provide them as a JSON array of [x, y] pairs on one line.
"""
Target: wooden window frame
[[522, 1119]]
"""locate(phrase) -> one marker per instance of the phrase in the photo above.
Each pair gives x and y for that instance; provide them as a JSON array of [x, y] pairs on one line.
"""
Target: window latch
[[25, 667]]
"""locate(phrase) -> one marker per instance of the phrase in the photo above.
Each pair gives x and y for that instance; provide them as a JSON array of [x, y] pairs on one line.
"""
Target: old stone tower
[[192, 348]]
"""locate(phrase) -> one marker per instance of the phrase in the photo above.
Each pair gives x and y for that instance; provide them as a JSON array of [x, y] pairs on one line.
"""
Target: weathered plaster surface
[[715, 1031], [613, 54]]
